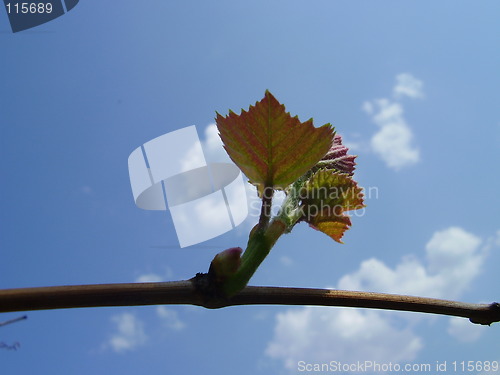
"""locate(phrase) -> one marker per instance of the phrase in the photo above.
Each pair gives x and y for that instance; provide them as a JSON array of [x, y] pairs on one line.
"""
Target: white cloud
[[453, 259], [462, 330], [454, 256], [393, 142], [388, 112], [170, 318], [130, 333], [319, 335], [409, 86]]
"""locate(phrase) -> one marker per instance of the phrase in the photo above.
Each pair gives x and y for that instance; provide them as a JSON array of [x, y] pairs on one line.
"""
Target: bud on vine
[[226, 263]]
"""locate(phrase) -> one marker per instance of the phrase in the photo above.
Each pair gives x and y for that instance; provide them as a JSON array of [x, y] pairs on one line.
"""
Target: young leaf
[[338, 158], [272, 148], [325, 198]]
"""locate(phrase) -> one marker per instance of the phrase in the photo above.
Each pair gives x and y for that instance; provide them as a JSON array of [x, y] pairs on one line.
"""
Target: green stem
[[260, 243], [263, 237], [257, 248]]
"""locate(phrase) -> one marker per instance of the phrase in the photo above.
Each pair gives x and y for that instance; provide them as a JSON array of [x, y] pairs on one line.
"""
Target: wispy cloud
[[170, 318], [393, 143], [129, 333], [454, 257], [407, 85], [152, 277]]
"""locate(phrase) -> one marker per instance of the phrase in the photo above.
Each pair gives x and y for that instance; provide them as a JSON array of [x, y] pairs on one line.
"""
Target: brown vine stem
[[185, 292]]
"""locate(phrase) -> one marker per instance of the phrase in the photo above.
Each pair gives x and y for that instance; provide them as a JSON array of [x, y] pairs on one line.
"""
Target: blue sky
[[412, 87]]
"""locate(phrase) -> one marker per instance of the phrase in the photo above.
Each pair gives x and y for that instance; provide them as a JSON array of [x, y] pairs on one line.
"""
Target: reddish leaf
[[271, 147]]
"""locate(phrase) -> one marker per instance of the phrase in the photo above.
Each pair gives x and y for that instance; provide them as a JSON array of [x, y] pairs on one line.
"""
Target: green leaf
[[325, 197], [272, 148]]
